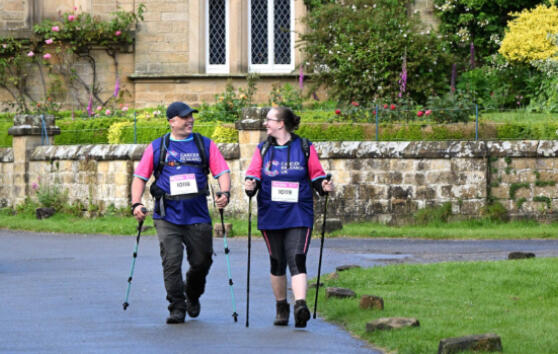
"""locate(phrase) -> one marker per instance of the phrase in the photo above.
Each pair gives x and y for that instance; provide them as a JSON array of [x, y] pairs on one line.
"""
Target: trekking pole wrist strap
[[134, 206]]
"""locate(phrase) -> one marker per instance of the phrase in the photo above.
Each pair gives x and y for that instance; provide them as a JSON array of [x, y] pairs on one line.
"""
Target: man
[[180, 162]]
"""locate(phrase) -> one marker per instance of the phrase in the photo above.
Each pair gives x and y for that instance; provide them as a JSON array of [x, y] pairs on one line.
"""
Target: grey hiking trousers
[[199, 248]]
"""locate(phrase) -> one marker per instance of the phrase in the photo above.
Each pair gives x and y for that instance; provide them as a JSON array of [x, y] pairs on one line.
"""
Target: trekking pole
[[250, 195], [328, 177], [235, 315], [135, 255]]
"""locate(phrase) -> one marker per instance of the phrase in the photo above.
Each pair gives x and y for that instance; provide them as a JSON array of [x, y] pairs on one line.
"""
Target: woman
[[285, 168]]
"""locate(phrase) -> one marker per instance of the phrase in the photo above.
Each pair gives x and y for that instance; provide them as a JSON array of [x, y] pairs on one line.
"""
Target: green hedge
[[5, 139], [85, 131]]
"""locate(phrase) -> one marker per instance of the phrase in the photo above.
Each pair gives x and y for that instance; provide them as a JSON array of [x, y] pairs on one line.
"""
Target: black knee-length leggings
[[288, 247]]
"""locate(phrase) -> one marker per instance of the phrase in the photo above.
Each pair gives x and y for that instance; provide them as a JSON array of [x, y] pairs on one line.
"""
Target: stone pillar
[[251, 132], [26, 134]]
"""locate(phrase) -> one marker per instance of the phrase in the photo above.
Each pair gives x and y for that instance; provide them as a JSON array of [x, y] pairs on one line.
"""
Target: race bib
[[284, 191], [183, 184]]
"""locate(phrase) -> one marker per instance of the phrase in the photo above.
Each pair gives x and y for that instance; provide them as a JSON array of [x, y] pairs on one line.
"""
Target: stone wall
[[375, 181]]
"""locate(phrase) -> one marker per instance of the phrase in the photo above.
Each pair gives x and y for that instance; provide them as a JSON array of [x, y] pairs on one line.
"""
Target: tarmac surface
[[63, 293]]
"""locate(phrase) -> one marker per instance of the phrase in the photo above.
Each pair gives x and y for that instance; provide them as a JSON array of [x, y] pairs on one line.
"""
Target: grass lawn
[[126, 225], [518, 300], [517, 117]]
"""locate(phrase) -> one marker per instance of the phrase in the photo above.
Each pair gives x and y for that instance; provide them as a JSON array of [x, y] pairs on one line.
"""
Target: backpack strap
[[305, 144], [160, 162], [198, 139]]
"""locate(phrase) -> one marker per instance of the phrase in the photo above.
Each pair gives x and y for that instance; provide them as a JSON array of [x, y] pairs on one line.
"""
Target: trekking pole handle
[[328, 178]]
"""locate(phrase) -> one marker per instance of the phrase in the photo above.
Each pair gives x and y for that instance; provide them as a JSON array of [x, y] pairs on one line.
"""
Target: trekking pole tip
[[235, 316], [125, 305]]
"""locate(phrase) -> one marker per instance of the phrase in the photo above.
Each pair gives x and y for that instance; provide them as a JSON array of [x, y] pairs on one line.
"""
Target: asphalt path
[[63, 293]]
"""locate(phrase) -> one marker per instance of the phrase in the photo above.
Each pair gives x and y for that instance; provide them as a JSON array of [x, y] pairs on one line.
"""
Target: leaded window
[[271, 35], [217, 36]]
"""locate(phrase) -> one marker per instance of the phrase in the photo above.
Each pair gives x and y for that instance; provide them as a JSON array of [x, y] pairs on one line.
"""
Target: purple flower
[[35, 186], [472, 55], [90, 106], [403, 77], [301, 79], [453, 76], [117, 87]]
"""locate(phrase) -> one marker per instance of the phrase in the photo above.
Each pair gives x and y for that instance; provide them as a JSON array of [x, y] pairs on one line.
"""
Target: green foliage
[[285, 96], [520, 202], [515, 186], [356, 49], [230, 103], [435, 214], [331, 132], [495, 212], [5, 139], [451, 107], [82, 31], [223, 134], [84, 131], [543, 199], [51, 196], [479, 21]]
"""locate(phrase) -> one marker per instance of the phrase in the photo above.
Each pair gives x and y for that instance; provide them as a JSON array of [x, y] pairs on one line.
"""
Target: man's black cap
[[180, 109]]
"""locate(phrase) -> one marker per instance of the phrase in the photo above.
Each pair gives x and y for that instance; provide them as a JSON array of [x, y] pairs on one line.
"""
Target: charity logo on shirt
[[183, 156]]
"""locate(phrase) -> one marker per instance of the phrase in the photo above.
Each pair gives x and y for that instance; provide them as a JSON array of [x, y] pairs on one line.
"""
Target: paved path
[[63, 294]]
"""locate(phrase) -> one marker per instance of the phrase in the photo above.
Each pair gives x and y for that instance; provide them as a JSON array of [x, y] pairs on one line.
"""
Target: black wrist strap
[[134, 206]]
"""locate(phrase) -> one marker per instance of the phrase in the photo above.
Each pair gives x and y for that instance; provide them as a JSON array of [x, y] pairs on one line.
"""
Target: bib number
[[183, 184], [284, 191]]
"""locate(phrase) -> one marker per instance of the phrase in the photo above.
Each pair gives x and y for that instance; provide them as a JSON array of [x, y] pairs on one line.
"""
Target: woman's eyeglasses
[[275, 120]]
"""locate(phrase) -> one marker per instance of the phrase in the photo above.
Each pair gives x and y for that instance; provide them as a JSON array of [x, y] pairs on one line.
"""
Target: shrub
[[528, 36], [495, 212], [84, 131], [223, 134], [356, 49], [286, 96], [436, 214], [451, 107], [52, 197]]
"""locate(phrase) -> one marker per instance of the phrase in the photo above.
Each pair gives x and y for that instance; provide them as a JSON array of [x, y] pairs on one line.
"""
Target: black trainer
[[283, 311], [176, 316], [193, 307], [301, 313]]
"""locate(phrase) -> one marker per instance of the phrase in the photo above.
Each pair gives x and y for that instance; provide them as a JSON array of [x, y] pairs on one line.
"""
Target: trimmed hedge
[[5, 139]]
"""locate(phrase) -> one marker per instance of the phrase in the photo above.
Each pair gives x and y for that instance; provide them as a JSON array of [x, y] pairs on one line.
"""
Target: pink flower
[[428, 112], [107, 112], [35, 186], [90, 106], [125, 109], [355, 103], [117, 33], [55, 29], [385, 106], [30, 54], [4, 46], [47, 56], [49, 41], [75, 8], [420, 113], [374, 112], [99, 108], [392, 107], [71, 18], [337, 111]]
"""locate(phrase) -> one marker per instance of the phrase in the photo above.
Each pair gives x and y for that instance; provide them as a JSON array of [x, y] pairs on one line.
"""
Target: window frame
[[271, 67], [217, 68]]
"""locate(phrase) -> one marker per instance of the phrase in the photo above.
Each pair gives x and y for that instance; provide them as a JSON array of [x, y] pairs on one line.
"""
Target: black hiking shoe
[[282, 316], [301, 313], [176, 316], [193, 307]]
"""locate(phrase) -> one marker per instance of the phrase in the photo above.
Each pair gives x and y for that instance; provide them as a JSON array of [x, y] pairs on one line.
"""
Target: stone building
[[186, 49]]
